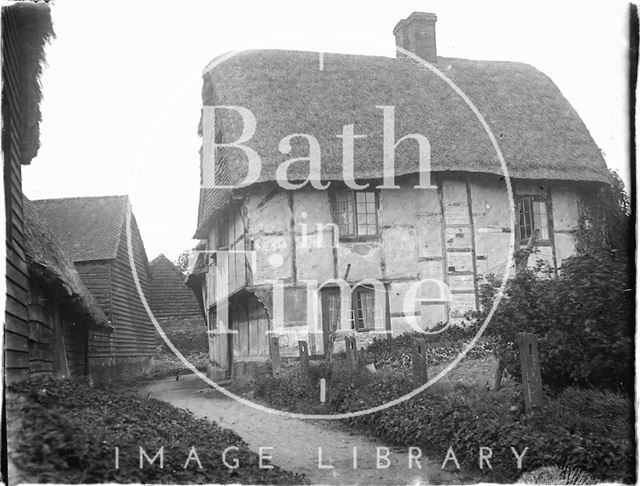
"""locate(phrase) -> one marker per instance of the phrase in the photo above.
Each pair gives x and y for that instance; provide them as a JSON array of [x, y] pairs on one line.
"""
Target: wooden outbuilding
[[26, 29], [62, 312], [93, 232], [169, 296]]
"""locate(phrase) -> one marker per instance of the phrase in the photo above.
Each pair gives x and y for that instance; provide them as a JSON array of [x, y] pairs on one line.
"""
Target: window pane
[[344, 213], [365, 309], [524, 219], [366, 213], [540, 220]]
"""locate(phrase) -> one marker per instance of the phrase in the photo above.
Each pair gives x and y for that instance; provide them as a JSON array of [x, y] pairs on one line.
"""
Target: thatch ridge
[[540, 134], [51, 266]]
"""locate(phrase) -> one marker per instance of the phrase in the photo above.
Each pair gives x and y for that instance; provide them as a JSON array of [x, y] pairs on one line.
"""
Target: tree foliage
[[182, 262], [605, 219]]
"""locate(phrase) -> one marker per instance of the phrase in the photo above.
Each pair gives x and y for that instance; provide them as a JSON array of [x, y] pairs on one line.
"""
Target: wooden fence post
[[303, 348], [350, 348], [419, 362], [274, 345], [530, 369]]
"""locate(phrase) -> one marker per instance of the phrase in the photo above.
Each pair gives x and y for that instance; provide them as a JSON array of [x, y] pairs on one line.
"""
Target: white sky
[[122, 91]]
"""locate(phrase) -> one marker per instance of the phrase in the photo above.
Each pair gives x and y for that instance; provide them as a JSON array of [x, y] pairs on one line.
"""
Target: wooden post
[[303, 348], [274, 345], [419, 362], [530, 369], [350, 348]]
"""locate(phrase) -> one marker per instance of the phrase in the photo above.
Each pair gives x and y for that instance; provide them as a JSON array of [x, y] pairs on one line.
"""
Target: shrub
[[587, 430], [466, 418], [395, 352], [69, 431], [583, 320]]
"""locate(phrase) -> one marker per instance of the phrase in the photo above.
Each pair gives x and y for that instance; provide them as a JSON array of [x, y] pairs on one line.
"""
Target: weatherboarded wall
[[126, 349], [97, 277], [16, 328], [57, 341], [132, 341]]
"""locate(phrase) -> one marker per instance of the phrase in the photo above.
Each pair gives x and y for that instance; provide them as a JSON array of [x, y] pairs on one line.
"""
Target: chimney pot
[[417, 34]]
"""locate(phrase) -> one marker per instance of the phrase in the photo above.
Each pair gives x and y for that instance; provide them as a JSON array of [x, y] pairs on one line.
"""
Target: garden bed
[[69, 432]]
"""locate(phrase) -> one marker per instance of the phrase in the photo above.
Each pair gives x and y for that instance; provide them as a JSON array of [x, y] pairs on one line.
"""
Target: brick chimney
[[417, 34]]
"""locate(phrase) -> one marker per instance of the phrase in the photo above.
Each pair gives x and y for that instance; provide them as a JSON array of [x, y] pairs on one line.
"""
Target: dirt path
[[296, 443]]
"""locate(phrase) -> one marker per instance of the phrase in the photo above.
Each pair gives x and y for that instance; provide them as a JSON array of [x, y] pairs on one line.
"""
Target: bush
[[395, 352], [583, 320], [584, 429], [466, 418], [69, 431]]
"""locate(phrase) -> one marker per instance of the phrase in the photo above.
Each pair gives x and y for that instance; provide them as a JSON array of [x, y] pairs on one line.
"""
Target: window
[[364, 308], [222, 233], [532, 216], [356, 214]]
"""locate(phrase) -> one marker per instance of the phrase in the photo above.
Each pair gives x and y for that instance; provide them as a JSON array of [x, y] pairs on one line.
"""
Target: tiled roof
[[88, 228], [48, 261], [169, 295]]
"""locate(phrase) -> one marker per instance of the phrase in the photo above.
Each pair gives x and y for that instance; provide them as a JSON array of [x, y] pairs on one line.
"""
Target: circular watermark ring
[[508, 265]]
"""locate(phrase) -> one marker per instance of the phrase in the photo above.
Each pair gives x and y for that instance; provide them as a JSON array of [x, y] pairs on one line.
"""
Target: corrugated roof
[[541, 136], [47, 260], [88, 228], [169, 295]]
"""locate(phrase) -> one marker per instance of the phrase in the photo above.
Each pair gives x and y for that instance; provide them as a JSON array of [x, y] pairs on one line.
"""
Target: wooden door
[[330, 314]]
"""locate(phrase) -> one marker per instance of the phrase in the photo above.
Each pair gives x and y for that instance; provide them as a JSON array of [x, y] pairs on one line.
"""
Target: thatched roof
[[540, 134], [28, 26], [169, 297], [48, 263], [89, 228]]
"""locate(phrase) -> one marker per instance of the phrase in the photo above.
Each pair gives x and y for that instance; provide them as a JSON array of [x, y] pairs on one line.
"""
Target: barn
[[26, 29], [169, 297], [93, 232], [62, 312], [49, 312], [375, 200]]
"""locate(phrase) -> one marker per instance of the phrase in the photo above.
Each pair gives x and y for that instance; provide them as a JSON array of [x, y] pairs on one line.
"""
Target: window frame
[[222, 228], [533, 198], [355, 301], [354, 207]]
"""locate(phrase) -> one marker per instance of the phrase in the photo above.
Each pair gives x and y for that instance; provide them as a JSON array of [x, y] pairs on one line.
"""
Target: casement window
[[532, 216], [356, 214], [363, 308], [222, 233]]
